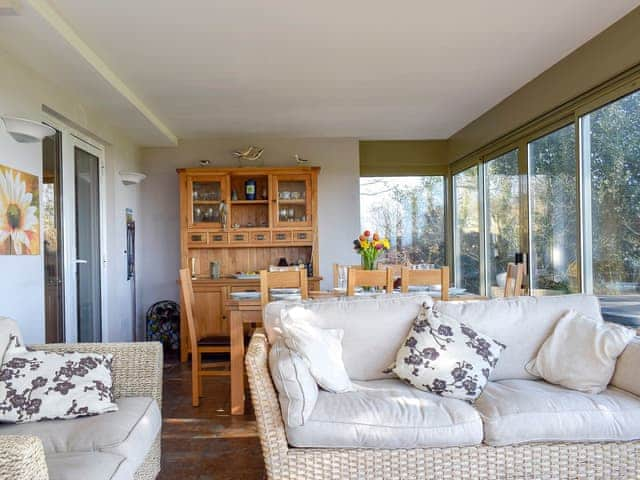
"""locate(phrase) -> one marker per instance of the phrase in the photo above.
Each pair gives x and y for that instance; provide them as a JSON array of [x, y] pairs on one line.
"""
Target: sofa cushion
[[374, 327], [87, 465], [520, 323], [297, 389], [581, 353], [443, 356], [40, 385], [626, 374], [387, 414], [129, 432], [521, 411]]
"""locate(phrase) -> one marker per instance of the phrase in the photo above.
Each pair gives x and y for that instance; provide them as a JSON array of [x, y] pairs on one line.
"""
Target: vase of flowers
[[369, 247]]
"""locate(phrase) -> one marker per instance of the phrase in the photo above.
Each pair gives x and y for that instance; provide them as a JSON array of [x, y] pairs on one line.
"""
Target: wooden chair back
[[284, 279], [357, 277], [427, 278], [188, 302], [336, 272], [513, 282]]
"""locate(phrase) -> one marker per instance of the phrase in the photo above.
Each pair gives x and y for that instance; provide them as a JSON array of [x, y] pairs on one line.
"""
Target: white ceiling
[[353, 68]]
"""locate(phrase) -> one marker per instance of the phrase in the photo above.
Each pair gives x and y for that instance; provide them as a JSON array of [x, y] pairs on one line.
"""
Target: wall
[[403, 157], [339, 202], [603, 57], [22, 93]]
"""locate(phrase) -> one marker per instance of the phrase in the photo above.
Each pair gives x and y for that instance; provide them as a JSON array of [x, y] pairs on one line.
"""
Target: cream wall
[[23, 92], [339, 203], [603, 57]]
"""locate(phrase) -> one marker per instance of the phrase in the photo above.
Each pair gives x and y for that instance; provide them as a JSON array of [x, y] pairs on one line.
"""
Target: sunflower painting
[[19, 224]]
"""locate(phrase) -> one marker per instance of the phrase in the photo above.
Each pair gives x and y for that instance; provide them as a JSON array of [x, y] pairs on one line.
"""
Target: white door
[[85, 246]]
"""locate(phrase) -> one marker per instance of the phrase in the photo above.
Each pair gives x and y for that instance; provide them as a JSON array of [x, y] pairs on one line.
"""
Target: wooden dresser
[[245, 219]]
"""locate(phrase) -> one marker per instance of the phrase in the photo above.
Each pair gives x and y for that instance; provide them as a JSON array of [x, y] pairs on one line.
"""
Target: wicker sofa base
[[529, 461]]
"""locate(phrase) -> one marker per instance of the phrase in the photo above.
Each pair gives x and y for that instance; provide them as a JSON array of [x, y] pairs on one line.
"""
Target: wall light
[[26, 131]]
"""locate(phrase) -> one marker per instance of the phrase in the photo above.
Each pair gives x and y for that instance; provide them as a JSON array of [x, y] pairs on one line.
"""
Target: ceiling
[[373, 69]]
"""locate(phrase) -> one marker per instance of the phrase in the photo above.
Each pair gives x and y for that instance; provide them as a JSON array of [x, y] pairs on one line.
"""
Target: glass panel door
[[292, 198], [51, 198], [611, 166], [553, 213], [503, 218], [466, 229], [88, 255]]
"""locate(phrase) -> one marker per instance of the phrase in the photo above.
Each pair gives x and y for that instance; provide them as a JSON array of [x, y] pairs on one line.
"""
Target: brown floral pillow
[[443, 356], [38, 385]]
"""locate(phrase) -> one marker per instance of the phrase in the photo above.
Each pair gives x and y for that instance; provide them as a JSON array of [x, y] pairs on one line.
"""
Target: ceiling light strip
[[44, 9]]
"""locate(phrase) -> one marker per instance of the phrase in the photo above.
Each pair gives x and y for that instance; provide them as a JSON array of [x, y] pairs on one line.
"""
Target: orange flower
[[376, 237]]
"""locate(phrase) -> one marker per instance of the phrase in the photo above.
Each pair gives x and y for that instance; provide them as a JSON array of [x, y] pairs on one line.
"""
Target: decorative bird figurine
[[300, 160], [252, 153]]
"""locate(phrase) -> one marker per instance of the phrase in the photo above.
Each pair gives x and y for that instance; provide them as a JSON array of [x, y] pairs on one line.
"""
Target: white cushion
[[373, 328], [443, 356], [128, 433], [521, 411], [581, 353], [320, 348], [520, 323], [388, 414], [94, 466], [297, 389], [626, 374]]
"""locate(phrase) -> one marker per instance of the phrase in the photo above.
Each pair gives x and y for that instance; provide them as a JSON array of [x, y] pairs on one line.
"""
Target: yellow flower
[[386, 243], [18, 219]]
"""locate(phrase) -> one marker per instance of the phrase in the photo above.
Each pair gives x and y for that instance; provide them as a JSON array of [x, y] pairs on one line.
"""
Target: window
[[503, 218], [611, 166], [466, 233], [409, 211], [554, 233]]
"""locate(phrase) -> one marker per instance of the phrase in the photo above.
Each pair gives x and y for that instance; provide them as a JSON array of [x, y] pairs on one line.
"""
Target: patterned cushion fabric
[[445, 357], [37, 385]]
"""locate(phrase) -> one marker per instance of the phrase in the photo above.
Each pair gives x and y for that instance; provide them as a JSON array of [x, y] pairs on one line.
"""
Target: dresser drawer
[[197, 238], [260, 237], [305, 236], [218, 239], [238, 237], [281, 236]]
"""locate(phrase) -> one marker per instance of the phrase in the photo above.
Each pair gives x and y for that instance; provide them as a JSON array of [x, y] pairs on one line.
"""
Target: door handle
[[77, 261]]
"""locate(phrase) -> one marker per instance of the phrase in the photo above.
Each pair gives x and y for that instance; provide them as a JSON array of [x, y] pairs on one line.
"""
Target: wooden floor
[[205, 442]]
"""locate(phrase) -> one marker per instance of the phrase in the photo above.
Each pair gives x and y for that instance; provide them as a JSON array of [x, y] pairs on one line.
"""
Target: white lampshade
[[131, 178], [26, 131]]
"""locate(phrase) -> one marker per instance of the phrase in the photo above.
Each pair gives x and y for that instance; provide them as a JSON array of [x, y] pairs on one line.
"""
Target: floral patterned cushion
[[38, 385], [443, 356]]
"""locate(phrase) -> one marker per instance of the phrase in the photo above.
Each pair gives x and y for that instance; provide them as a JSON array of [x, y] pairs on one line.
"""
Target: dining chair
[[426, 277], [357, 277], [198, 343], [513, 281], [284, 279], [336, 273]]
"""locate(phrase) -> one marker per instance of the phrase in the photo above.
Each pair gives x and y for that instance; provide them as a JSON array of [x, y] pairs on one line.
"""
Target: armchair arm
[[626, 375], [22, 456], [137, 366], [265, 404]]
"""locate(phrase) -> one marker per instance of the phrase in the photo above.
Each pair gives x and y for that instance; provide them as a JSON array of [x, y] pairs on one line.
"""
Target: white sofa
[[520, 427], [121, 445]]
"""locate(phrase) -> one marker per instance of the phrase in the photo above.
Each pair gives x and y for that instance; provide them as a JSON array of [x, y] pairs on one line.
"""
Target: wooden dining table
[[249, 311]]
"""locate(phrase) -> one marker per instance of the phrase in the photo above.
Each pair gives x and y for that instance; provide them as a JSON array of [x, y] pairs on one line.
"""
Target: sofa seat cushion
[[87, 465], [128, 432], [387, 414], [521, 411]]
